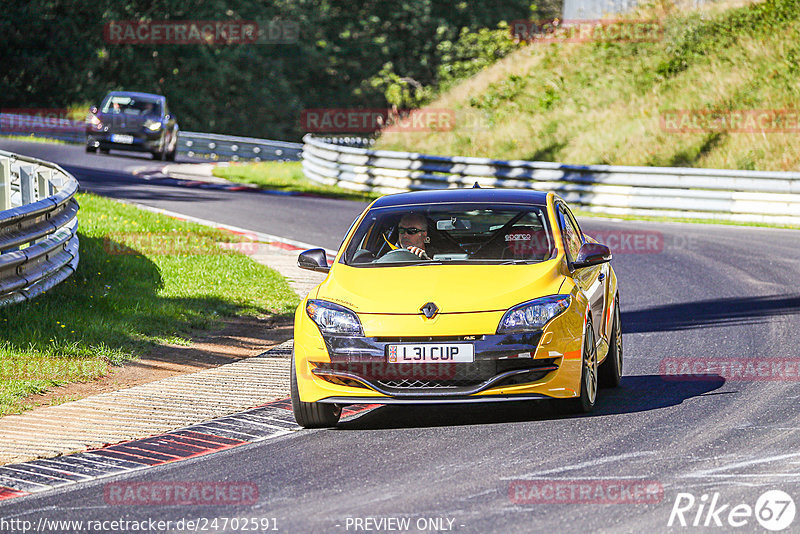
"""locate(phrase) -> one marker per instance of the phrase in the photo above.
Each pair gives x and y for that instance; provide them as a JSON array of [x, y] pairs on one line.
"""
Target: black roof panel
[[506, 196]]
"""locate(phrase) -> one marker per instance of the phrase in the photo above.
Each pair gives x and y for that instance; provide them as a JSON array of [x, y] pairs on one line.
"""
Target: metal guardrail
[[743, 196], [228, 147], [194, 144], [38, 225], [68, 130]]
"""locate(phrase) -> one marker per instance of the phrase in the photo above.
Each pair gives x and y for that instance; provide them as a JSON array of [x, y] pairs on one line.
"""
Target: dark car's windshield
[[131, 106], [452, 234]]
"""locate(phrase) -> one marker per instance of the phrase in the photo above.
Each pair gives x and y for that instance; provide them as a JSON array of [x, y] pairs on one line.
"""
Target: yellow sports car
[[457, 295]]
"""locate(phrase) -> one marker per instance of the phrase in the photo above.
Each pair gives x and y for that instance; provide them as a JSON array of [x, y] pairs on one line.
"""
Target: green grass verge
[[34, 139], [143, 279], [285, 176]]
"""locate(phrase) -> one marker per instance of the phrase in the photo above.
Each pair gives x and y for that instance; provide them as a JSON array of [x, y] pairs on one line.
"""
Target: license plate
[[432, 353], [124, 139]]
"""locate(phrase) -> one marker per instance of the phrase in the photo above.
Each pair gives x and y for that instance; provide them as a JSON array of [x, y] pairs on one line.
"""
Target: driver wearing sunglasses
[[413, 230]]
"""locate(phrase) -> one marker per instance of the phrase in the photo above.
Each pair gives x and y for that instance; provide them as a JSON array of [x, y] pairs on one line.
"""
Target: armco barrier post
[[26, 187], [5, 183], [44, 188]]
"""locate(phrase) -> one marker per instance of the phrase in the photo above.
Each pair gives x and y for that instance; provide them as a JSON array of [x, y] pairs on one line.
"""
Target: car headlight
[[333, 319], [152, 125], [534, 314], [94, 121]]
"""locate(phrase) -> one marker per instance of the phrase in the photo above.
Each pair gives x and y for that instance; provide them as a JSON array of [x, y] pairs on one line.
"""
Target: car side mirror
[[93, 110], [592, 254], [314, 259]]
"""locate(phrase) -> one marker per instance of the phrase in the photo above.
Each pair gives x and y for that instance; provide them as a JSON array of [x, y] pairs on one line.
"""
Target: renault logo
[[430, 310]]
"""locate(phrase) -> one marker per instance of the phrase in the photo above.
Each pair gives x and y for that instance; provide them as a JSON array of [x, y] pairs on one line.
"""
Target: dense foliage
[[365, 54]]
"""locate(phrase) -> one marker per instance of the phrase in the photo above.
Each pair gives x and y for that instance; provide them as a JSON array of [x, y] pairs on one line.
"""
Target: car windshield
[[131, 106], [450, 234]]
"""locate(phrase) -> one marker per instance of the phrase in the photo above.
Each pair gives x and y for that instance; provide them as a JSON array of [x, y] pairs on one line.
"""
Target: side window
[[571, 217], [572, 234]]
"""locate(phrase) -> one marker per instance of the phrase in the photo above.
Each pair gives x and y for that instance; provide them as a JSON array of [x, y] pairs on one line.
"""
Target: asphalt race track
[[311, 220], [698, 293]]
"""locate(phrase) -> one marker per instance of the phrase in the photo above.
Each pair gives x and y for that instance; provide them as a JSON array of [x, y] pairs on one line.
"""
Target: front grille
[[438, 376]]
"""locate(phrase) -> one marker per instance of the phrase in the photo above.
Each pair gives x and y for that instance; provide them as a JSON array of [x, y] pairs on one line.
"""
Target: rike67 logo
[[774, 510]]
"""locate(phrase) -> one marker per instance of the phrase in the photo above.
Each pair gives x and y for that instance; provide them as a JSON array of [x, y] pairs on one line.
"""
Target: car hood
[[453, 288]]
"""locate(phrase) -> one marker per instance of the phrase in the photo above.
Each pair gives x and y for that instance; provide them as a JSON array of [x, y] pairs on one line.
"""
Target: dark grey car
[[139, 122]]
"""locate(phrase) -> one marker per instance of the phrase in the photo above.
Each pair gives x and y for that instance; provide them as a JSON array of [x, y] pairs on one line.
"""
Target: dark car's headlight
[[534, 314], [94, 121], [333, 319], [152, 125]]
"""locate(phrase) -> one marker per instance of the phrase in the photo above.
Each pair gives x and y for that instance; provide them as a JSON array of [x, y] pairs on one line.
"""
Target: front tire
[[611, 369], [91, 148], [585, 402], [312, 414]]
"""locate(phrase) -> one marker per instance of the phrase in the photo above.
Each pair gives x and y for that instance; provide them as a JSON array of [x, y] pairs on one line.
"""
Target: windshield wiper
[[519, 262]]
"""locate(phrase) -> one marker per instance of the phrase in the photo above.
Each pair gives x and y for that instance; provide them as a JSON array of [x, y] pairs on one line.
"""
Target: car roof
[[489, 195], [136, 95]]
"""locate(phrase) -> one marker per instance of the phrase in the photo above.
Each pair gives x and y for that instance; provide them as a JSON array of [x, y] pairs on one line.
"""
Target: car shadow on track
[[635, 394], [708, 313], [146, 156], [126, 155]]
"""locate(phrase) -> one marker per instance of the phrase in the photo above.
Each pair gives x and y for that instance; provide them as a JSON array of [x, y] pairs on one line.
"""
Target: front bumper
[[349, 370], [362, 362], [454, 399], [142, 142]]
